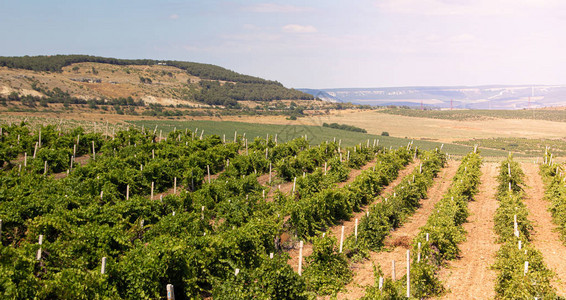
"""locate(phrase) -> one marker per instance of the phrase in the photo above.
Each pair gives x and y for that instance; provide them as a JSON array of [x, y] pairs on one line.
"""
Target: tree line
[[55, 63]]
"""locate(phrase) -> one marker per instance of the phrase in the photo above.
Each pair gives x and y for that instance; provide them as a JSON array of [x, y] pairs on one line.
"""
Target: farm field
[[555, 115], [417, 127], [497, 136], [315, 134], [529, 147], [325, 219]]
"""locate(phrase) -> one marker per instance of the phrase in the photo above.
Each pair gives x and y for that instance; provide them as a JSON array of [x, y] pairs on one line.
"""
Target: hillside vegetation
[[166, 82]]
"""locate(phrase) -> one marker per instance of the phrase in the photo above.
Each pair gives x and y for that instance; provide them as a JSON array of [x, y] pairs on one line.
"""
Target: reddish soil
[[470, 277], [544, 238], [349, 225], [399, 240]]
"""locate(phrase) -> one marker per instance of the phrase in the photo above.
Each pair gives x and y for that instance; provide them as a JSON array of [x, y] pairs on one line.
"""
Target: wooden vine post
[[103, 266], [526, 267], [300, 258], [356, 229], [170, 292], [342, 239], [40, 242], [208, 171], [294, 184], [393, 270], [408, 274]]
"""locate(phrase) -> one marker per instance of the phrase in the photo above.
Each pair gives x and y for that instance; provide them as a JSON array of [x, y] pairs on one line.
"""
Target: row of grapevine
[[134, 234], [327, 270], [438, 240], [555, 191], [96, 233], [393, 209], [522, 273], [315, 210]]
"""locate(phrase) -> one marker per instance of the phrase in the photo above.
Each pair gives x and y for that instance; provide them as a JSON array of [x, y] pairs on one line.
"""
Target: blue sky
[[316, 44]]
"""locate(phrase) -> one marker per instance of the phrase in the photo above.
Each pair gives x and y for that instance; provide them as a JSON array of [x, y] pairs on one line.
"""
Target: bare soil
[[544, 237], [398, 242], [470, 277]]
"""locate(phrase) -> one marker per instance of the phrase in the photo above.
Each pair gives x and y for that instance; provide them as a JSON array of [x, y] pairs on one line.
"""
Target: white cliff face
[[474, 97]]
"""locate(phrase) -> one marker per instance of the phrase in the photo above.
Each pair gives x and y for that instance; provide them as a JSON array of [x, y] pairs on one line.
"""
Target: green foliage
[[274, 279], [424, 282], [344, 127], [512, 281], [392, 210], [391, 290], [238, 87], [327, 271], [193, 239], [555, 192], [317, 209]]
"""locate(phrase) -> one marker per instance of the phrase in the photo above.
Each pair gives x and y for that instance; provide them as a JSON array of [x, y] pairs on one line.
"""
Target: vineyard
[[141, 214]]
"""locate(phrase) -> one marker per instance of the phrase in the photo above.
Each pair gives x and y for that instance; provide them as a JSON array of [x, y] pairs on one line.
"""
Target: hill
[[460, 97], [75, 77]]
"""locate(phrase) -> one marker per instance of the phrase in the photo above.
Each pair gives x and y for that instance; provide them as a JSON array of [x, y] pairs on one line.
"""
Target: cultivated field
[[164, 205]]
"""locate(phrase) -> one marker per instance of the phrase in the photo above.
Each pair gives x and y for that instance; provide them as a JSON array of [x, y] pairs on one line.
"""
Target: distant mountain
[[459, 97]]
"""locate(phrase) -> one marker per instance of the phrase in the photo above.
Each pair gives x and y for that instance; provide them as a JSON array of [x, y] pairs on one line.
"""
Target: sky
[[310, 43]]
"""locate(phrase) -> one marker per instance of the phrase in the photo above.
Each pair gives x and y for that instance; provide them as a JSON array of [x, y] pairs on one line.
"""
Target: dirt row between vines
[[544, 238], [335, 230], [471, 276], [399, 240]]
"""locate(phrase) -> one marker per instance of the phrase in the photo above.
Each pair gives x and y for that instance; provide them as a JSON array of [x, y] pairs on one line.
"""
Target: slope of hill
[[164, 82], [461, 97]]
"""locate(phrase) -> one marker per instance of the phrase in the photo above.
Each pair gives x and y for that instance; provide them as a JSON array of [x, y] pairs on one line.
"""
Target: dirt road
[[470, 277]]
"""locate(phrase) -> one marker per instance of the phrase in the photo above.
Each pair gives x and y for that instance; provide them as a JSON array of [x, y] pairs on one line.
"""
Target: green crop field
[[466, 115], [530, 147], [315, 134]]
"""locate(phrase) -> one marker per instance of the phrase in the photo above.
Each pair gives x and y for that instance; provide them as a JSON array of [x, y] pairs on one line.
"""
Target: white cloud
[[174, 16], [296, 28], [276, 8]]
